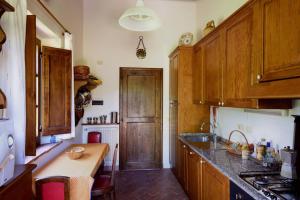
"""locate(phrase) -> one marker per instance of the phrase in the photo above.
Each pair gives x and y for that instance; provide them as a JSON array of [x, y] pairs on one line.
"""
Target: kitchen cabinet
[[215, 185], [212, 69], [200, 179], [276, 49], [223, 60], [182, 172], [198, 79], [185, 116], [194, 175], [20, 185]]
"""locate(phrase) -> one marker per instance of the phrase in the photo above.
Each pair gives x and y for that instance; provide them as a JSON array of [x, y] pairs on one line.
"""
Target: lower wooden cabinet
[[194, 175], [215, 186], [201, 180]]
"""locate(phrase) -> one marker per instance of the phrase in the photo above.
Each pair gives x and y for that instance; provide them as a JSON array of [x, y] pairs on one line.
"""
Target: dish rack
[[229, 143]]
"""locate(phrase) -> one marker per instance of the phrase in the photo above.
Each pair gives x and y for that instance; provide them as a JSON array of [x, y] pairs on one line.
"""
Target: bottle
[[52, 139]]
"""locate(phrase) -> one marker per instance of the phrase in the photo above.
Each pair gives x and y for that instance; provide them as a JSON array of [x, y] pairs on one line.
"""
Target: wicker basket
[[235, 151]]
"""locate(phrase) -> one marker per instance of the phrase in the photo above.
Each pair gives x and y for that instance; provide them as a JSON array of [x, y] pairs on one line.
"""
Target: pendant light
[[140, 18]]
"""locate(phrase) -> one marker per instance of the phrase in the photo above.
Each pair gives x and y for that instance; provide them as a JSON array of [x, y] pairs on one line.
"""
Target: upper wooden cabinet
[[276, 49], [198, 79], [212, 69], [56, 91], [185, 116], [277, 39], [223, 65]]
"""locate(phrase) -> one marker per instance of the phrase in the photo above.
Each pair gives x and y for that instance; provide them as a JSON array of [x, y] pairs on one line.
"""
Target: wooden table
[[81, 171]]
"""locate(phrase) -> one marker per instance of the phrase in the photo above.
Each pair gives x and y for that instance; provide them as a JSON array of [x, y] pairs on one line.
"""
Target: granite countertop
[[230, 165]]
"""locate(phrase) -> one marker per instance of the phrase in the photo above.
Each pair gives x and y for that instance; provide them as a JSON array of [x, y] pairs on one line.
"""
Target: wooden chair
[[105, 184], [94, 137], [55, 187]]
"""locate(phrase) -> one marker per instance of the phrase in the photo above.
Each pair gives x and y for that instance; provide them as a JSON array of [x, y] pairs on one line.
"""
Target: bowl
[[75, 153]]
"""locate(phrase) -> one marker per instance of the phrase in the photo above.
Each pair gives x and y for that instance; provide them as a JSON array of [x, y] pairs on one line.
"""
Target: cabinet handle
[[192, 153], [219, 103], [202, 162], [184, 146], [200, 102], [258, 77], [223, 103]]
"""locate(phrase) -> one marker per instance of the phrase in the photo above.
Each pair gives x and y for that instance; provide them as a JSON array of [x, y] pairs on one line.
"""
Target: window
[[48, 89]]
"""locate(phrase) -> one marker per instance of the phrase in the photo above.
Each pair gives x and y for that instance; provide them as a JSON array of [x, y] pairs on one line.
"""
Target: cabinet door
[[194, 176], [56, 91], [173, 124], [198, 75], [184, 166], [215, 185], [173, 110], [237, 51], [212, 66], [277, 40]]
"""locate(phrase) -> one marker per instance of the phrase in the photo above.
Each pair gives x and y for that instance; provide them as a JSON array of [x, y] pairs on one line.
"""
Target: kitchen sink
[[204, 141], [198, 138]]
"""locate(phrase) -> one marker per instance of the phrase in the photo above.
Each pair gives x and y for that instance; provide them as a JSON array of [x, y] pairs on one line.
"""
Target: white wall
[[278, 129], [107, 47], [70, 14], [216, 10]]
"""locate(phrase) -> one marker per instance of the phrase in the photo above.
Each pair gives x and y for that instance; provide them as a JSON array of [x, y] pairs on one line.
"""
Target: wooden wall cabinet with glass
[[226, 62], [48, 89], [276, 49], [185, 116]]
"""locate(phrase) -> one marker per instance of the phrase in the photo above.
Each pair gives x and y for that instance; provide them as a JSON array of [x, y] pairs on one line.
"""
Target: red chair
[[55, 187], [105, 184], [94, 137]]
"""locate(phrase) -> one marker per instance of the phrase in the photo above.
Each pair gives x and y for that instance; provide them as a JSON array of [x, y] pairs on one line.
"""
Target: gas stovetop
[[272, 185]]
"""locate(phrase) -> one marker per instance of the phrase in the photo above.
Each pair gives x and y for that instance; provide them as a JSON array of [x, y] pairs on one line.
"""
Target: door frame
[[160, 69]]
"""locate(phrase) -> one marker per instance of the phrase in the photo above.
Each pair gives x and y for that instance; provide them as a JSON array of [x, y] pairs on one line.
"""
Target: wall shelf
[[4, 7]]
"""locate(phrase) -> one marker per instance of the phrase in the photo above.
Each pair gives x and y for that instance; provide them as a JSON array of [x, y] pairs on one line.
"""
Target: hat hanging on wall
[[140, 18], [141, 50]]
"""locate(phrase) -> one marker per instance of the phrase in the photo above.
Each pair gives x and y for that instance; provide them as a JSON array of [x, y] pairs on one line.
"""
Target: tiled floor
[[148, 185]]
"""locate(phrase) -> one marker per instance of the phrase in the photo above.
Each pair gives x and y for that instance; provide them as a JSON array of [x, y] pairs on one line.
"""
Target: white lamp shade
[[140, 18]]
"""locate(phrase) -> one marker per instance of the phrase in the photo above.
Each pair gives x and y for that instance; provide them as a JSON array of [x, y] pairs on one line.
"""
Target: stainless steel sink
[[197, 138], [204, 141]]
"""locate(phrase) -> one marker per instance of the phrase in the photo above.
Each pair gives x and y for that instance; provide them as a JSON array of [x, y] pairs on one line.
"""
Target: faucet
[[213, 134]]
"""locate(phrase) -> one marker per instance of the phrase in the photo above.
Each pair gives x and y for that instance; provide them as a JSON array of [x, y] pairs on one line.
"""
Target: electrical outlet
[[241, 127], [248, 129]]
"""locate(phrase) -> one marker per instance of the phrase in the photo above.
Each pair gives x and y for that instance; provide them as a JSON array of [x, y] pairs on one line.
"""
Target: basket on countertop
[[234, 150]]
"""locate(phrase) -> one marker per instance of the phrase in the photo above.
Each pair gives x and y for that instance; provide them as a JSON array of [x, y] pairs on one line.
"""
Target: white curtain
[[12, 68]]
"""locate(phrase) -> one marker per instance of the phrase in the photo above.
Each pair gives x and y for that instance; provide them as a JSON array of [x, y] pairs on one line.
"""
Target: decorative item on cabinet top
[[4, 6], [210, 26], [186, 39]]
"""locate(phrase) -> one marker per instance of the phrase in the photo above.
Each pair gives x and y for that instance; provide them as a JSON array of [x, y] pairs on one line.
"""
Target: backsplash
[[279, 129]]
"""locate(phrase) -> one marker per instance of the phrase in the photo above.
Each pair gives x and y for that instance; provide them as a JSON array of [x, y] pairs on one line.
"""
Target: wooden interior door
[[56, 91], [140, 118]]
